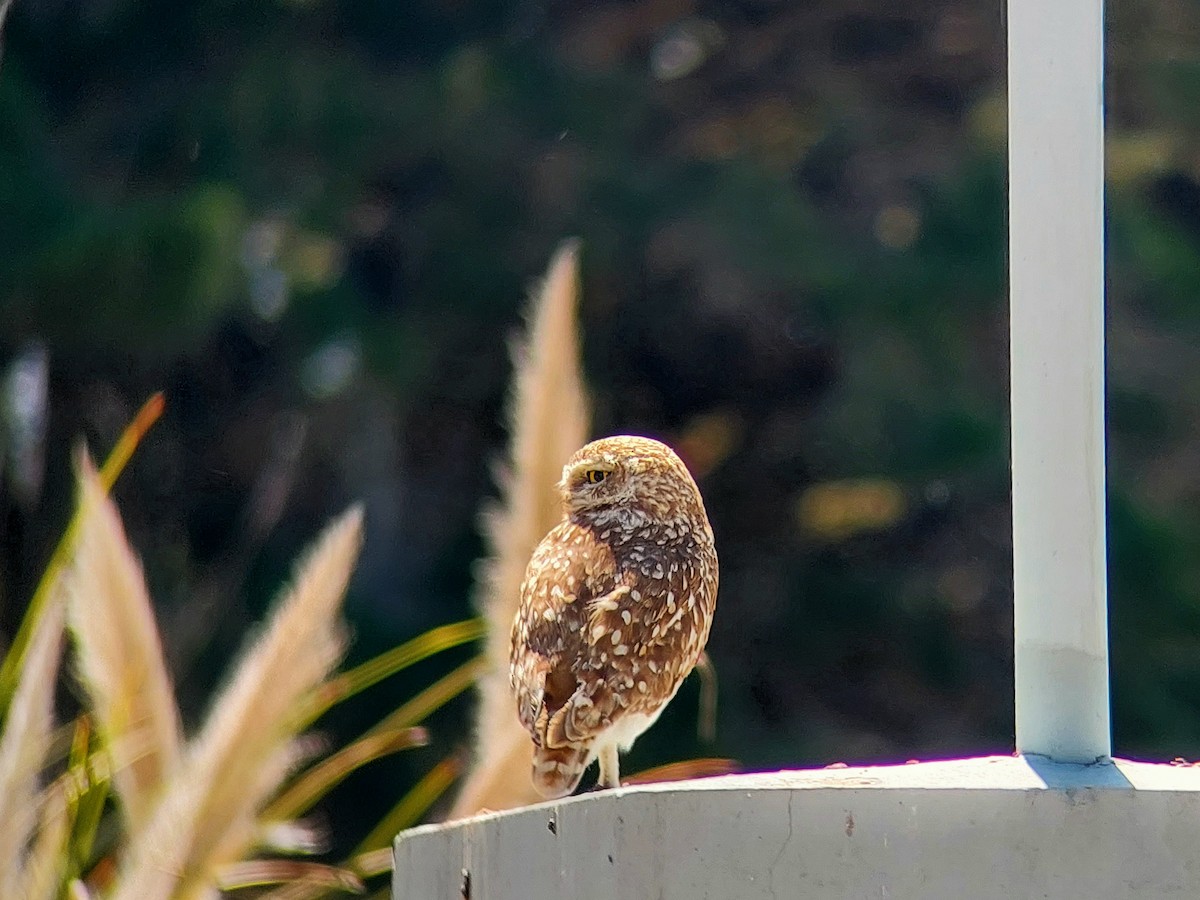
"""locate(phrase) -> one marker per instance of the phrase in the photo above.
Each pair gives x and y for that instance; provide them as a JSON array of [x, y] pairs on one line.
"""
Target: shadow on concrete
[[1069, 776]]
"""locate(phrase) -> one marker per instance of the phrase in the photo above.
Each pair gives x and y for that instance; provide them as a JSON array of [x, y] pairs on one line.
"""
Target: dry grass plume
[[208, 816], [118, 652], [549, 419], [23, 748], [41, 875]]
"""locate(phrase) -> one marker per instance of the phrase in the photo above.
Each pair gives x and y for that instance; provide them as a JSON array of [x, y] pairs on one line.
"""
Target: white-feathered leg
[[610, 767]]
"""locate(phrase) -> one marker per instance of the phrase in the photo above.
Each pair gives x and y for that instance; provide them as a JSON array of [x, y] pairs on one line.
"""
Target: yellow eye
[[595, 476]]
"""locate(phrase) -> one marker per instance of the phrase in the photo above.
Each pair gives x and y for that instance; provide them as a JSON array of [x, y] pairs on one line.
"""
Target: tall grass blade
[[415, 710], [347, 684], [378, 862], [412, 806], [86, 785], [433, 697], [682, 771], [706, 723], [314, 784], [260, 872]]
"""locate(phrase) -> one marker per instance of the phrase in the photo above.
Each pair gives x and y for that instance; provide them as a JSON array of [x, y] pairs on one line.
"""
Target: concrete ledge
[[997, 827]]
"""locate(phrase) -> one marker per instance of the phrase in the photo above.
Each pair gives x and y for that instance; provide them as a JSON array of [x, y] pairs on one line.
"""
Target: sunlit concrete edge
[[979, 828]]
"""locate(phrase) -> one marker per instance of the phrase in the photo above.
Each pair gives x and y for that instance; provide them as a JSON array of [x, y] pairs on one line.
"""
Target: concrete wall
[[1000, 827]]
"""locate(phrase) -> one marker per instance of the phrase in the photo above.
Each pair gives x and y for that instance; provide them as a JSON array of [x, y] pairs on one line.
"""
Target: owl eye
[[595, 476]]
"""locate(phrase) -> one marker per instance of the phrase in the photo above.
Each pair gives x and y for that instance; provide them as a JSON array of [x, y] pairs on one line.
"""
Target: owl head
[[634, 474]]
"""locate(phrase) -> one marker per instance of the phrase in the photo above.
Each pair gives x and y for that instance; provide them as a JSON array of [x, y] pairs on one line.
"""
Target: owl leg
[[610, 767]]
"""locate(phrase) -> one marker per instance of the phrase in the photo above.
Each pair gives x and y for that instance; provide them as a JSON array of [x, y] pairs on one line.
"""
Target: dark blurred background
[[313, 224]]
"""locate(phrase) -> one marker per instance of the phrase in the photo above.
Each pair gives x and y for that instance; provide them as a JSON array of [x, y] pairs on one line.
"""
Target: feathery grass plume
[[24, 742], [42, 874], [207, 818], [48, 585], [120, 658], [549, 419]]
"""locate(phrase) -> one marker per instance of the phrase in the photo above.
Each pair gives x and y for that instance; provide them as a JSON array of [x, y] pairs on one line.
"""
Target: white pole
[[1056, 258]]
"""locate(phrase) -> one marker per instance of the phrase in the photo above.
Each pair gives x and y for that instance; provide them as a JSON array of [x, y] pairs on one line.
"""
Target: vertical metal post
[[1056, 259]]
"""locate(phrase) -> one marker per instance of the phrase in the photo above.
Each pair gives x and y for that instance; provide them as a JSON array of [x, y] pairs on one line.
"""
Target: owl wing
[[558, 670]]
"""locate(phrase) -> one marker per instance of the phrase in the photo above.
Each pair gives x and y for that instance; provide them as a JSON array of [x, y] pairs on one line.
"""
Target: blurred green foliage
[[312, 224]]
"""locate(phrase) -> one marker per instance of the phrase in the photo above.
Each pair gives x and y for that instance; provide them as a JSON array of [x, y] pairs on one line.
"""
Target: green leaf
[[410, 809], [315, 783], [358, 679]]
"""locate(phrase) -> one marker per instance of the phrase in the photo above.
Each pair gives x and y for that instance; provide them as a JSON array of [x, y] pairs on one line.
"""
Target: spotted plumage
[[615, 608]]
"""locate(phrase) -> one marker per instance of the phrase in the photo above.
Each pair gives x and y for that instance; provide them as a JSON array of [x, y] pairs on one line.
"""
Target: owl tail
[[557, 770]]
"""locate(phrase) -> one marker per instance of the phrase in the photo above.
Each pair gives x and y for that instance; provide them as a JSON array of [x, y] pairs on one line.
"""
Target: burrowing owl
[[615, 608]]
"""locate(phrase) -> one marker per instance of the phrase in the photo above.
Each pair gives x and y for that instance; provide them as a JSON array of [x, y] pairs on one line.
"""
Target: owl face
[[597, 480], [636, 475]]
